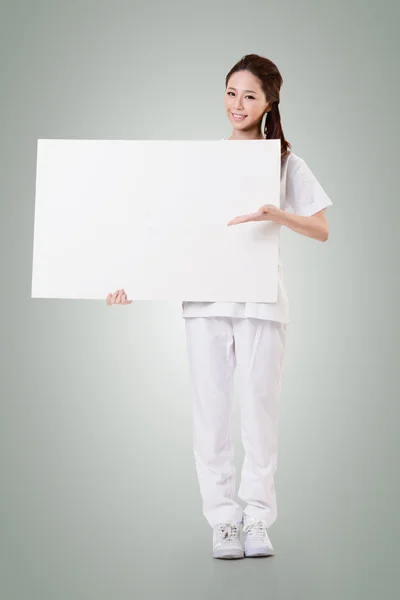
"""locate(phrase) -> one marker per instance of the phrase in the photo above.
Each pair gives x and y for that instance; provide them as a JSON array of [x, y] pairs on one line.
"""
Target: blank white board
[[150, 216]]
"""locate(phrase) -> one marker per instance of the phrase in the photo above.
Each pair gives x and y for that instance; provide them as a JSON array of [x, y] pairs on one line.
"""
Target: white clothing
[[301, 194], [216, 345]]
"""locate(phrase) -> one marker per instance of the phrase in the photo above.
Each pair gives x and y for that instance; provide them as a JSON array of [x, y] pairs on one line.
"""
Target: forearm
[[311, 227]]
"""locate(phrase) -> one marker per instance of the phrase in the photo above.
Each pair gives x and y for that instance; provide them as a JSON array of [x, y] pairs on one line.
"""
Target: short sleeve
[[304, 194]]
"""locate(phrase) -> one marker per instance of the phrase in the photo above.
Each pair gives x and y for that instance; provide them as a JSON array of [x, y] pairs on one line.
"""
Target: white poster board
[[150, 216]]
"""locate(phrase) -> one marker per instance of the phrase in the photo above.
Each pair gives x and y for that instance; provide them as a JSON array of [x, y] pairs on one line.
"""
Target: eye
[[248, 96]]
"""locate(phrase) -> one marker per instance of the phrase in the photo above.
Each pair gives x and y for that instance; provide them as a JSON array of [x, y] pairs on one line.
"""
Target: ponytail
[[273, 128]]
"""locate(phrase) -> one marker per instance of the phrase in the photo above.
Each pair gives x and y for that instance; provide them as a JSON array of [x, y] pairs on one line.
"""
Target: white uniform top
[[301, 194]]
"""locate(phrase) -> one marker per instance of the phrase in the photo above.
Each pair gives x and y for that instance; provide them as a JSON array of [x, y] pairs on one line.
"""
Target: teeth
[[238, 116]]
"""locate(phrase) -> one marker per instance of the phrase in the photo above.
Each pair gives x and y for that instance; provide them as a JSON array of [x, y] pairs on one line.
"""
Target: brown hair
[[271, 81]]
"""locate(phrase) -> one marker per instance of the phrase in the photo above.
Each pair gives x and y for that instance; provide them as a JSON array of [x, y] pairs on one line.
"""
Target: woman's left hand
[[268, 212]]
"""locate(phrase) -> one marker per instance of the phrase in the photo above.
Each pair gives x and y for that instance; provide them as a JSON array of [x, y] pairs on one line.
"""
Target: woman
[[247, 336]]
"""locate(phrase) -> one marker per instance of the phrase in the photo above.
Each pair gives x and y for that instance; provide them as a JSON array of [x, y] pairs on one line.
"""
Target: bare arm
[[315, 226]]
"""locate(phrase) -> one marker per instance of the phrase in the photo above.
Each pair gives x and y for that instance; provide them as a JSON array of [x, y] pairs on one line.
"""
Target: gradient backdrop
[[99, 496]]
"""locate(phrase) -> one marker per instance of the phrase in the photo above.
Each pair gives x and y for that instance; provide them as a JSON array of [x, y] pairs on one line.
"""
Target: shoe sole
[[260, 553], [233, 554]]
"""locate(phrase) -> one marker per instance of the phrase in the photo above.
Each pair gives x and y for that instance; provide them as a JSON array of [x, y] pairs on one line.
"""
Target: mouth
[[238, 117]]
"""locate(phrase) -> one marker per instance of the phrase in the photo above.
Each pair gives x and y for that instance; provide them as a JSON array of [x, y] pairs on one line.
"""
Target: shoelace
[[227, 530], [256, 529]]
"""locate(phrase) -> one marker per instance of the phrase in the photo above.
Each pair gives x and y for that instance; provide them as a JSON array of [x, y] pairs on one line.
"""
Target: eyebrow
[[232, 88]]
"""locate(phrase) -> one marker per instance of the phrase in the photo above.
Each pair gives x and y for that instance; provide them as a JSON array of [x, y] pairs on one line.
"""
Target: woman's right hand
[[118, 297]]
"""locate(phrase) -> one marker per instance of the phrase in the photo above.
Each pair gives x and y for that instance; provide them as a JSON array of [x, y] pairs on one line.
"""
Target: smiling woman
[[249, 337]]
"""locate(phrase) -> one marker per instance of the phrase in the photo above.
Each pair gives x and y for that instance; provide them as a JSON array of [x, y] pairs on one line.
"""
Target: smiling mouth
[[238, 117]]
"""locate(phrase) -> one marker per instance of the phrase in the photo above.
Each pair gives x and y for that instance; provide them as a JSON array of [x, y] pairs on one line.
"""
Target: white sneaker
[[226, 541], [256, 541]]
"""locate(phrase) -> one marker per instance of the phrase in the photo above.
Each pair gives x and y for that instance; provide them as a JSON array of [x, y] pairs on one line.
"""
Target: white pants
[[216, 346]]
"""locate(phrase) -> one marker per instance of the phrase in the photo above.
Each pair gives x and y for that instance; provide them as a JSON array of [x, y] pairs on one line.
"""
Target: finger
[[248, 217], [238, 220], [125, 299]]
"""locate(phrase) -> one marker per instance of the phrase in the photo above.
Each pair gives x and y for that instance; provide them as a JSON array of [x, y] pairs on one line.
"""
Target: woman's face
[[245, 97]]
